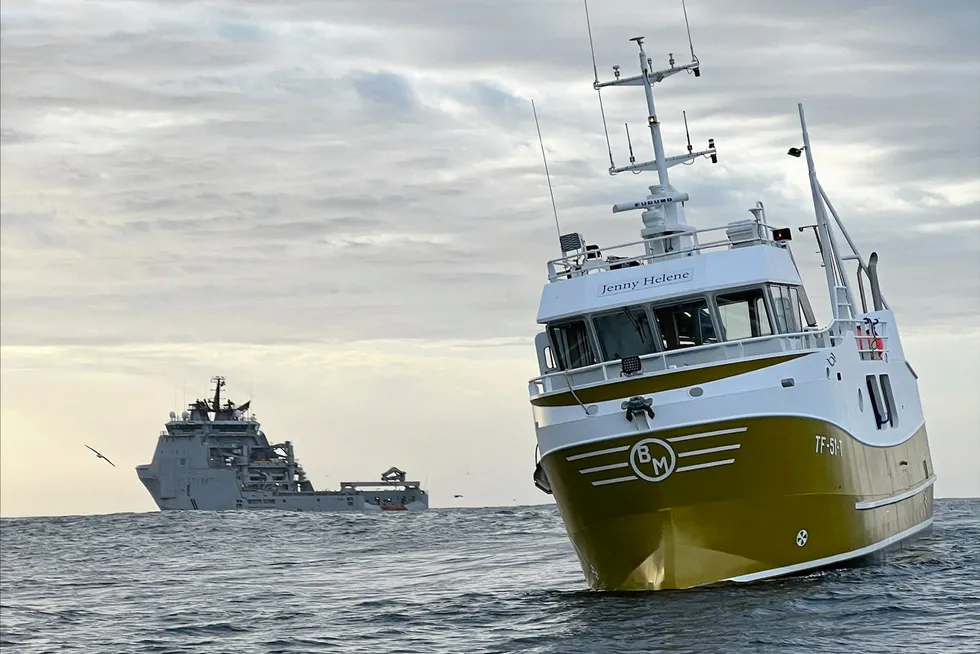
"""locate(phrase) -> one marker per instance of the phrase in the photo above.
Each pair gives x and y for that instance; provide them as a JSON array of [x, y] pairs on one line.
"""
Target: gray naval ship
[[214, 457]]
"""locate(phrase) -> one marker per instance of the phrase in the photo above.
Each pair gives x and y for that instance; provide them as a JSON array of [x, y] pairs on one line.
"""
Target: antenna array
[[648, 78], [663, 208]]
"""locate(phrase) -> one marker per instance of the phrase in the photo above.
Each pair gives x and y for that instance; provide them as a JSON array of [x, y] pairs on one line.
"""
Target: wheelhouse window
[[573, 346], [685, 325], [786, 309], [743, 314], [624, 333]]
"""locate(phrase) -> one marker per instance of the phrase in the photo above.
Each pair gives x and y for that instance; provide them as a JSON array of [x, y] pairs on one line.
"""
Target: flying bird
[[101, 456], [455, 496]]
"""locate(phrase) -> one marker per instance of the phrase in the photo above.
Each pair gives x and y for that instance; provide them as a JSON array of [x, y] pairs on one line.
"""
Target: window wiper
[[635, 323]]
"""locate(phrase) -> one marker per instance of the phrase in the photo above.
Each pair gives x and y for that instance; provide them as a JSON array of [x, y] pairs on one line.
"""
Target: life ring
[[862, 342], [872, 346]]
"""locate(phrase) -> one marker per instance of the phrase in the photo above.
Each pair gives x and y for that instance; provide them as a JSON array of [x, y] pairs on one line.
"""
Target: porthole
[[696, 391], [860, 400]]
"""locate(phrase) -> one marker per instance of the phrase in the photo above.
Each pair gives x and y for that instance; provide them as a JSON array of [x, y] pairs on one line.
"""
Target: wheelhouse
[[662, 325]]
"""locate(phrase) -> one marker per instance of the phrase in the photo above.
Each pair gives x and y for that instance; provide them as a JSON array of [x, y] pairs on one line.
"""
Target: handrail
[[825, 338], [579, 264], [860, 284]]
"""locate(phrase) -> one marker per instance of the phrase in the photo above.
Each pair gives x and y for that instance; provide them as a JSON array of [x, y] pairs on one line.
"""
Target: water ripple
[[475, 580]]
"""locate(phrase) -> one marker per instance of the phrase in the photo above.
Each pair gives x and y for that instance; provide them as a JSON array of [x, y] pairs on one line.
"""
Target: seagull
[[101, 456]]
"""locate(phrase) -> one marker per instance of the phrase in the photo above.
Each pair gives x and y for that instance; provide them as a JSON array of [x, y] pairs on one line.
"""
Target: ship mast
[[838, 286], [219, 381], [665, 228]]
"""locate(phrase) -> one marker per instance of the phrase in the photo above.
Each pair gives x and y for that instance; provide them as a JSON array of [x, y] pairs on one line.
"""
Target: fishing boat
[[694, 422]]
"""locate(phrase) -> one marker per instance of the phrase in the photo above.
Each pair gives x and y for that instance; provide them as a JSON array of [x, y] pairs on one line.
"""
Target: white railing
[[876, 349], [872, 339], [589, 261]]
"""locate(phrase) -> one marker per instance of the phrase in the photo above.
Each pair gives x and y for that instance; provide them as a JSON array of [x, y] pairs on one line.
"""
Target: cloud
[[384, 150]]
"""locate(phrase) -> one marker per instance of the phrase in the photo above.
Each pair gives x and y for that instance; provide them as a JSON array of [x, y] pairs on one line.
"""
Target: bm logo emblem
[[652, 459]]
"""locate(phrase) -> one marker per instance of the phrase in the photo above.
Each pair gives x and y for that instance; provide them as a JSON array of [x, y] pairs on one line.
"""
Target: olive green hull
[[741, 499]]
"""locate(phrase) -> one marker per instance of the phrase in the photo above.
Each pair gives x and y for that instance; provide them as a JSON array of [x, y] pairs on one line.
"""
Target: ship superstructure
[[214, 456], [694, 422]]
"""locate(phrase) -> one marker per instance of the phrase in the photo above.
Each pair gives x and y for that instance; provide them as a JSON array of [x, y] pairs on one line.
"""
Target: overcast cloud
[[332, 198]]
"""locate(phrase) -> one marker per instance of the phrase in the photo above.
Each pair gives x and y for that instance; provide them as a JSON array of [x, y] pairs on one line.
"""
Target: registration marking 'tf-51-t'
[[830, 446]]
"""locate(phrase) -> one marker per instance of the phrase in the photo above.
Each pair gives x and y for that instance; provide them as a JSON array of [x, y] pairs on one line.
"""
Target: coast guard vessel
[[214, 457], [694, 422]]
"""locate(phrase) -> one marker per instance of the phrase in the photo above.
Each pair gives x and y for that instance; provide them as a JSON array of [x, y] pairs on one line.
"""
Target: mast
[[822, 228], [658, 142], [663, 214], [219, 381], [838, 285]]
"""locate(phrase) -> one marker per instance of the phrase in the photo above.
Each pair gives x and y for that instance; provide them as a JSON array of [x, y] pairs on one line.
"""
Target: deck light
[[630, 365]]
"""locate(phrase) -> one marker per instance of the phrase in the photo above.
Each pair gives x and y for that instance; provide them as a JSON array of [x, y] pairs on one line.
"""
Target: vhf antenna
[[629, 143], [546, 173], [595, 71], [687, 23], [690, 148]]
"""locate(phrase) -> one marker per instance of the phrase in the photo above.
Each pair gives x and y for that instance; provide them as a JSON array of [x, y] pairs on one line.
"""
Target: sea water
[[450, 580]]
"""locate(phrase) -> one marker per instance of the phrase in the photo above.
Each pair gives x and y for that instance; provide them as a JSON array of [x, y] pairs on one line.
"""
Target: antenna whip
[[694, 57], [588, 24], [546, 173], [595, 71]]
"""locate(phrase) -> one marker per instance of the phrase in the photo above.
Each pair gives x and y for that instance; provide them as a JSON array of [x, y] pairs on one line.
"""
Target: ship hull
[[218, 490], [334, 507], [738, 500]]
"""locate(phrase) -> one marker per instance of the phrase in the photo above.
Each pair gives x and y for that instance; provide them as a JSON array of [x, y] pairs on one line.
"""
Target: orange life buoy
[[873, 347], [861, 341]]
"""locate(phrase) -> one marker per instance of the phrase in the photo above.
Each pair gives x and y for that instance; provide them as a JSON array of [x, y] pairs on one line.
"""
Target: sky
[[341, 207]]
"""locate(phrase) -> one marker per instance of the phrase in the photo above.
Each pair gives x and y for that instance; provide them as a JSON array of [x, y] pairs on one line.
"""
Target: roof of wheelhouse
[[671, 278]]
